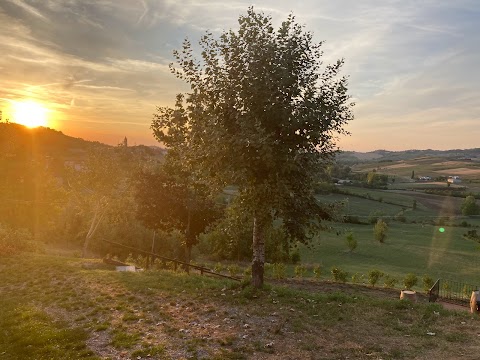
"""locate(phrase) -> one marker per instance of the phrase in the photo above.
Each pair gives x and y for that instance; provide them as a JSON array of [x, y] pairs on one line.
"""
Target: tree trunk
[[258, 253], [97, 219]]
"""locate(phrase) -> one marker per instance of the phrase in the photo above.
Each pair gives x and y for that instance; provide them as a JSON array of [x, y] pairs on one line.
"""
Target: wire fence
[[451, 291]]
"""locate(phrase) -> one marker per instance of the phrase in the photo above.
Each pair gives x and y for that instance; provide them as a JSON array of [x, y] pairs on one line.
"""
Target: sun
[[30, 114]]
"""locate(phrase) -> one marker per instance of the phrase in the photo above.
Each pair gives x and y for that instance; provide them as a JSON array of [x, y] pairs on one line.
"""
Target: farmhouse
[[454, 179]]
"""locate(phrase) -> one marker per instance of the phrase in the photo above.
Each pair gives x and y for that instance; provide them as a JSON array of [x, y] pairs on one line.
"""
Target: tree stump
[[408, 295], [474, 302]]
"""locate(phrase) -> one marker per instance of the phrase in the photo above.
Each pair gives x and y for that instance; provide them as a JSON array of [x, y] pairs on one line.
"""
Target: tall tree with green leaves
[[469, 206], [263, 114]]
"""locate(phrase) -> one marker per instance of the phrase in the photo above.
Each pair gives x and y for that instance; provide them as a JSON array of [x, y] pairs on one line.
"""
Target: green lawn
[[68, 308]]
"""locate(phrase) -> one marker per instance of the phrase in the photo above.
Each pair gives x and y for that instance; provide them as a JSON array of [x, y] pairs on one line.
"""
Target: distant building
[[454, 179]]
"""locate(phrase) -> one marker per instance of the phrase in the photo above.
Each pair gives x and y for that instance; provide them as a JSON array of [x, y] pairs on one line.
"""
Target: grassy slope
[[410, 248], [66, 308]]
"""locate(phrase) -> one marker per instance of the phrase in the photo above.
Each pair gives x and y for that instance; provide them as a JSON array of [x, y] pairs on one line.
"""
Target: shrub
[[410, 281], [339, 275], [357, 278], [279, 271], [233, 269], [351, 242], [300, 271], [373, 276], [380, 231], [427, 283], [15, 241], [389, 282], [295, 256], [317, 271], [218, 268]]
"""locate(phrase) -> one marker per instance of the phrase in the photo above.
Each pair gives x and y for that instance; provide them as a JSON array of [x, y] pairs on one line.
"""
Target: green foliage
[[15, 241], [218, 268], [470, 206], [235, 126], [295, 256], [414, 205], [380, 231], [300, 271], [279, 271], [233, 269], [427, 282], [317, 271], [409, 281], [373, 276], [389, 281], [472, 235], [351, 242], [357, 278], [339, 275]]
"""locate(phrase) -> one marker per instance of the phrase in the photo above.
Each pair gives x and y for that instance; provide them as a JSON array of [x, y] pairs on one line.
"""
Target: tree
[[262, 114], [351, 242], [99, 186], [167, 202], [380, 231], [469, 206]]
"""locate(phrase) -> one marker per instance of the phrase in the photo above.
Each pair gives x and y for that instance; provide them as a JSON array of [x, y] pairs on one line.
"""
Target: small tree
[[427, 282], [373, 276], [413, 174], [380, 231], [351, 242], [410, 281], [469, 206]]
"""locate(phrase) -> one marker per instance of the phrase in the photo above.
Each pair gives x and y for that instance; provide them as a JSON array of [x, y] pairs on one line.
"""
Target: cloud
[[411, 63]]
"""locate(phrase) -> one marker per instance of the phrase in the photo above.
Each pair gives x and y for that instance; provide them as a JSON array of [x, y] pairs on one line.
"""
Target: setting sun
[[29, 113]]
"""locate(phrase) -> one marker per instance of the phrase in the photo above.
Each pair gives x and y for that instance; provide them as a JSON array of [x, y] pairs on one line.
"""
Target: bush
[[410, 281], [317, 271], [427, 283], [300, 271], [374, 276], [389, 282], [357, 278], [218, 268], [233, 269], [380, 231], [339, 275], [351, 242], [295, 256], [16, 241], [279, 271]]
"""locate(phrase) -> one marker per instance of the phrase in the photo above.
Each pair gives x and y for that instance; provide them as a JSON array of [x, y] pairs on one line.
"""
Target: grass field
[[54, 307], [409, 248]]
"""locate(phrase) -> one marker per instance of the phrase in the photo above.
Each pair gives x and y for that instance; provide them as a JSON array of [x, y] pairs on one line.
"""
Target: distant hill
[[385, 155], [18, 140]]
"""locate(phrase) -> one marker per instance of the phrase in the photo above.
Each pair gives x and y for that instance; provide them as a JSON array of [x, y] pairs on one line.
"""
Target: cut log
[[408, 295], [474, 302]]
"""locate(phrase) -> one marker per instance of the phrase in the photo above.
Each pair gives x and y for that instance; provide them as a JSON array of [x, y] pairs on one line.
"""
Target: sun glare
[[30, 113]]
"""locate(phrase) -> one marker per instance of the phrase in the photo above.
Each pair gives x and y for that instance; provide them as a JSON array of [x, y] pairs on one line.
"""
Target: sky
[[100, 67]]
